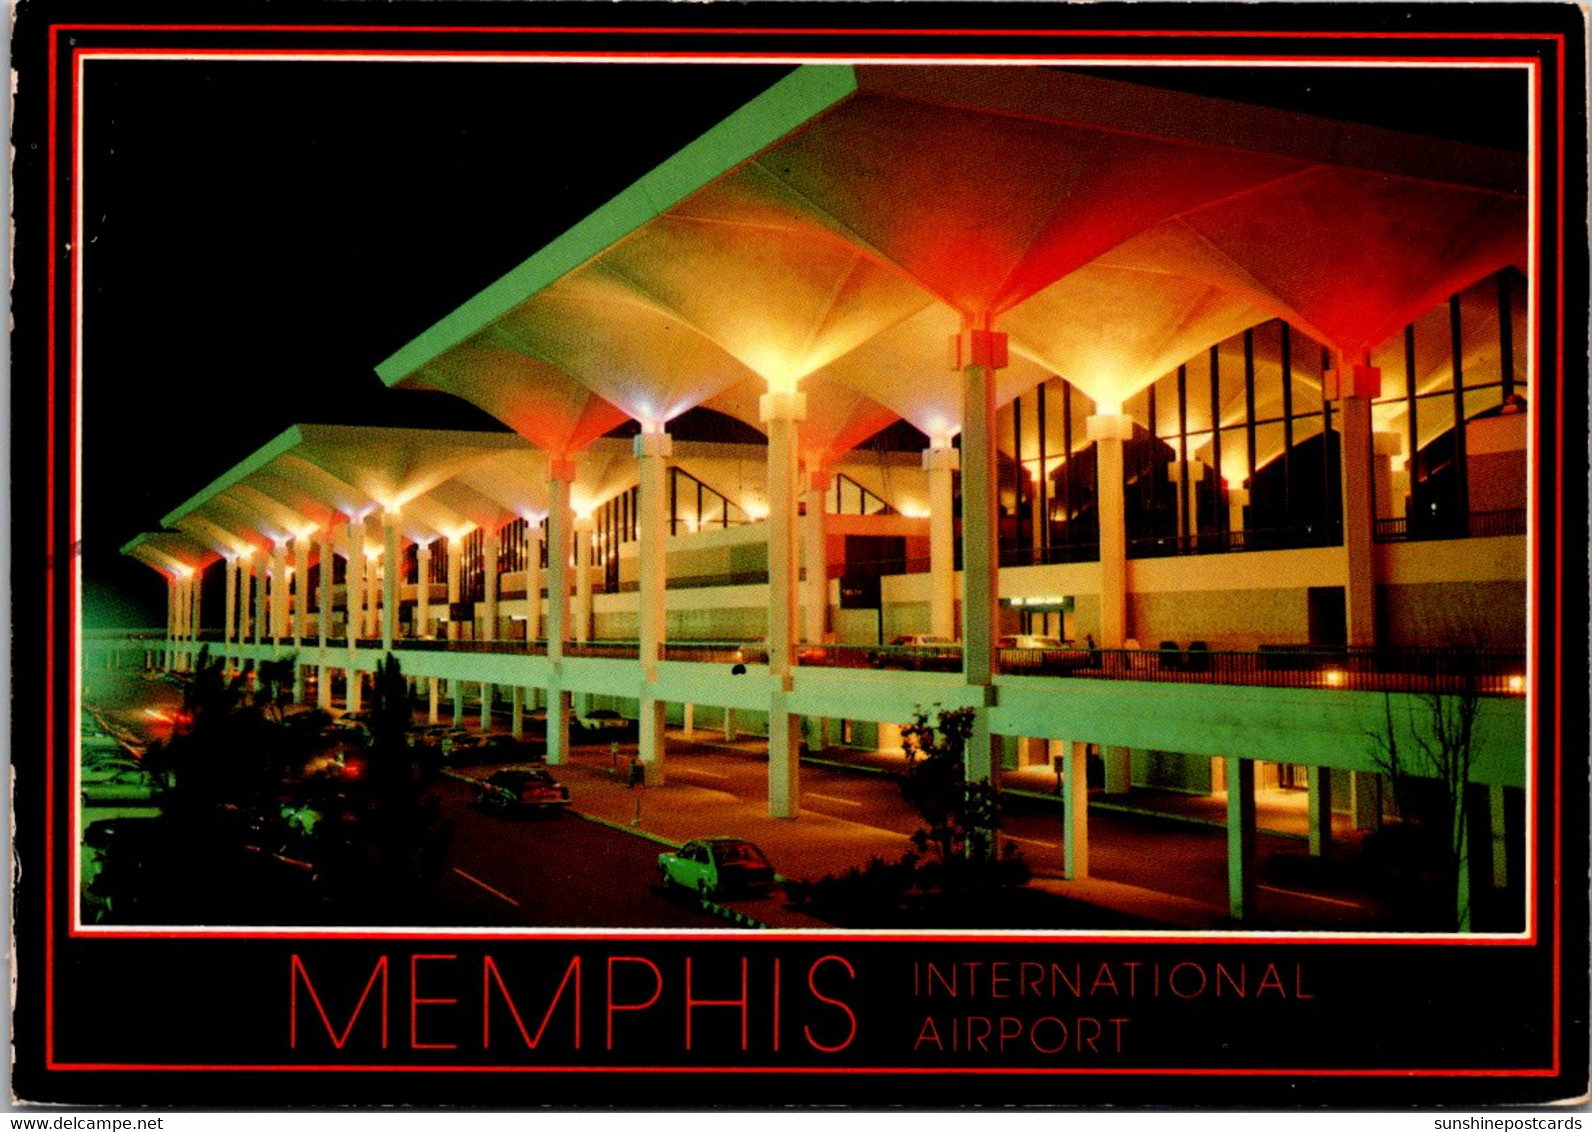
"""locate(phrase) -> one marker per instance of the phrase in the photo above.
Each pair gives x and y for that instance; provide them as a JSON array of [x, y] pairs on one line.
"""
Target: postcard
[[614, 556]]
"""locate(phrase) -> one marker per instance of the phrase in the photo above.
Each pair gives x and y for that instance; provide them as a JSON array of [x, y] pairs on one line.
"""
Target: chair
[[1171, 655]]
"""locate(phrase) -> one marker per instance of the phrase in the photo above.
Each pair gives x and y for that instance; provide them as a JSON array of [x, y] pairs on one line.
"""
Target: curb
[[740, 919], [837, 764]]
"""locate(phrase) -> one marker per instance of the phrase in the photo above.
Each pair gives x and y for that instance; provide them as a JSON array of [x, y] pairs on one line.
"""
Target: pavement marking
[[1032, 841], [704, 773], [1310, 896], [832, 798], [483, 884]]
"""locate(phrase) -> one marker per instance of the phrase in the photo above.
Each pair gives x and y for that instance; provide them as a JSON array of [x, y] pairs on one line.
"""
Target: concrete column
[[583, 561], [1108, 431], [323, 600], [171, 622], [729, 725], [561, 474], [457, 688], [1356, 387], [941, 462], [489, 570], [1075, 809], [261, 613], [354, 605], [196, 591], [652, 448], [375, 573], [1119, 769], [689, 730], [179, 621], [323, 619], [301, 588], [354, 581], [815, 558], [558, 545], [391, 567], [1318, 803], [432, 715], [1240, 837], [781, 412], [279, 592], [423, 590], [486, 706], [185, 621], [517, 712], [980, 540], [557, 724], [455, 552], [240, 631], [230, 625]]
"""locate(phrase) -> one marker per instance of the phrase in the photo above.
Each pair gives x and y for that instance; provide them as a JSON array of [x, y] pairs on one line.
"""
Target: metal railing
[[603, 650], [717, 652], [1284, 666], [1478, 524], [519, 647], [911, 658], [1487, 672]]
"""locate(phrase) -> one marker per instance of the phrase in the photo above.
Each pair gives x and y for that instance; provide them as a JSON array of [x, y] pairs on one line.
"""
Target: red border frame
[[78, 54]]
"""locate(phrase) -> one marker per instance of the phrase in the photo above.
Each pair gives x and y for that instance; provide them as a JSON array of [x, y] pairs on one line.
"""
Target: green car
[[713, 865]]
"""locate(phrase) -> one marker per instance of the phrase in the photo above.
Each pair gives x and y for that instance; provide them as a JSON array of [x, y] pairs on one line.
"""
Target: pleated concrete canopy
[[170, 552], [840, 227], [301, 480]]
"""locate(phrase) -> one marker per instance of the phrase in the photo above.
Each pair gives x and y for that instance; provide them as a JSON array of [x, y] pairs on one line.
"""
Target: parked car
[[460, 745], [715, 865], [522, 788], [1040, 655], [134, 784], [1032, 641], [109, 769], [607, 722], [921, 652]]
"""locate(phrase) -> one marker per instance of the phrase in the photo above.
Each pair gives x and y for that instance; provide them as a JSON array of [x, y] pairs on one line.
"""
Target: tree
[[1428, 761], [964, 818], [273, 686]]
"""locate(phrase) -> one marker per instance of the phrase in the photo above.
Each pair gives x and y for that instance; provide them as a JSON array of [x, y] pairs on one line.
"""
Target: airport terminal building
[[1170, 435]]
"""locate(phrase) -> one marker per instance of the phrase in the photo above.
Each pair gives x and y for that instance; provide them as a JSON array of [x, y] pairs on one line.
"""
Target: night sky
[[259, 235]]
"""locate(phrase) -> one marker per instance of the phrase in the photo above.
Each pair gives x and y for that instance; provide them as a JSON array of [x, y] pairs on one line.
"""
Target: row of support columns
[[781, 412], [182, 618]]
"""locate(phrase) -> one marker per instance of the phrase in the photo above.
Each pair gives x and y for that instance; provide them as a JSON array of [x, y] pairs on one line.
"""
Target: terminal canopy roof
[[835, 231]]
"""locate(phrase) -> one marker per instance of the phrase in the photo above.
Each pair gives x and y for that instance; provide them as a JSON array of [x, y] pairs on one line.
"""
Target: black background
[[263, 234]]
